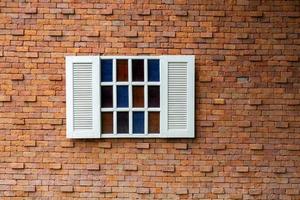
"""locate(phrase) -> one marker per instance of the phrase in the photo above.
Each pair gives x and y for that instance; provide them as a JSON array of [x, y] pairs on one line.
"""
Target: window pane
[[122, 99], [153, 122], [137, 70], [153, 70], [138, 122], [122, 122], [106, 70], [107, 122], [106, 97], [138, 96], [122, 70], [153, 96]]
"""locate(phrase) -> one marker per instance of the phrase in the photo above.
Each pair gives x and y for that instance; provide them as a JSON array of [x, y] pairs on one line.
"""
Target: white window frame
[[164, 132]]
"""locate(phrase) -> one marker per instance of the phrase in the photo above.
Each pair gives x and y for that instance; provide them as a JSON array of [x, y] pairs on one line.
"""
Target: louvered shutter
[[83, 96], [177, 96]]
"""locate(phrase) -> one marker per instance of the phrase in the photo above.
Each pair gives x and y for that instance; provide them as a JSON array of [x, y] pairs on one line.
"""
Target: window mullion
[[130, 94], [146, 95], [114, 97]]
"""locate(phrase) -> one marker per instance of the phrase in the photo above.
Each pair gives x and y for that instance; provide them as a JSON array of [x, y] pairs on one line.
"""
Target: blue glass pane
[[122, 96], [138, 122], [106, 70], [153, 70]]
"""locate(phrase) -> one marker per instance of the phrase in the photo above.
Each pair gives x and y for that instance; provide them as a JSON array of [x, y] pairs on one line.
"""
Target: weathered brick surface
[[247, 143]]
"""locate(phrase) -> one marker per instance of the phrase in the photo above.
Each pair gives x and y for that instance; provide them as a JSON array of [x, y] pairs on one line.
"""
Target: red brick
[[219, 101], [67, 189], [17, 77], [206, 124], [244, 124], [242, 169], [143, 146], [107, 11], [218, 191], [255, 102], [105, 145], [256, 147], [206, 168], [181, 13], [218, 58], [29, 188], [131, 34], [279, 36], [181, 191], [205, 79], [68, 11], [218, 146], [169, 168], [206, 35], [55, 166], [254, 192], [181, 146], [130, 168], [93, 167], [18, 32], [143, 190], [29, 143], [170, 34], [17, 165], [144, 12], [30, 10], [279, 170], [5, 98], [282, 125], [67, 144]]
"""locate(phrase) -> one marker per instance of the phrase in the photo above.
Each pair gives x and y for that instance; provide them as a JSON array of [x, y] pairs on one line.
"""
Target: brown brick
[[18, 32], [67, 144], [67, 189], [55, 33], [206, 169], [131, 34], [30, 10], [236, 196], [107, 11], [242, 35], [55, 78], [29, 188], [279, 170], [17, 165], [254, 192], [5, 98], [206, 35], [19, 121], [181, 146], [144, 12], [242, 169], [32, 54], [29, 143], [255, 58], [130, 168], [218, 191], [282, 125], [143, 146], [143, 190], [169, 168], [293, 102], [181, 191], [105, 145], [206, 124], [244, 124], [181, 13], [219, 101], [55, 166], [293, 147], [280, 80], [256, 14], [218, 58], [256, 147], [169, 34], [218, 147], [93, 167], [255, 102], [17, 77], [205, 79], [279, 36], [68, 11], [293, 191]]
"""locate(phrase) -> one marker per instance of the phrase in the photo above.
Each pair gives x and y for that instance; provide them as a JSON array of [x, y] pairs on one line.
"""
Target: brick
[[19, 121], [279, 170], [169, 34], [29, 188], [256, 146], [242, 36], [293, 102], [17, 165], [242, 169], [218, 147], [206, 35], [218, 58], [292, 191], [205, 79], [206, 169], [17, 77], [181, 146], [219, 101], [105, 145], [5, 98], [281, 124], [131, 34], [144, 12], [30, 10], [279, 36], [143, 146], [1, 53], [293, 147], [18, 32], [254, 192], [68, 11], [93, 33], [130, 168], [55, 33], [93, 167], [55, 78], [55, 166], [29, 143], [236, 196], [181, 191], [143, 190], [218, 191], [8, 182], [181, 13], [169, 168], [255, 102], [32, 55], [67, 189], [255, 58], [107, 11], [206, 124], [244, 124], [67, 144], [280, 80], [255, 14]]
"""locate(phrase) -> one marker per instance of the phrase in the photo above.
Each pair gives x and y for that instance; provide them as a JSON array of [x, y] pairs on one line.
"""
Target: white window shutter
[[177, 96], [83, 96]]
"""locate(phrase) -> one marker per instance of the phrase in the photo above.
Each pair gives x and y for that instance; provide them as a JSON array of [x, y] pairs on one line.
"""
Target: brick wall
[[247, 143]]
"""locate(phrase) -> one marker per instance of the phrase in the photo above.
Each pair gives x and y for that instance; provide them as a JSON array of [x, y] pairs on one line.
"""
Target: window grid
[[130, 109]]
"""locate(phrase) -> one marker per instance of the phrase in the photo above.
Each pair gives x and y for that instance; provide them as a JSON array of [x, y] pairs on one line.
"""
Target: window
[[130, 96]]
